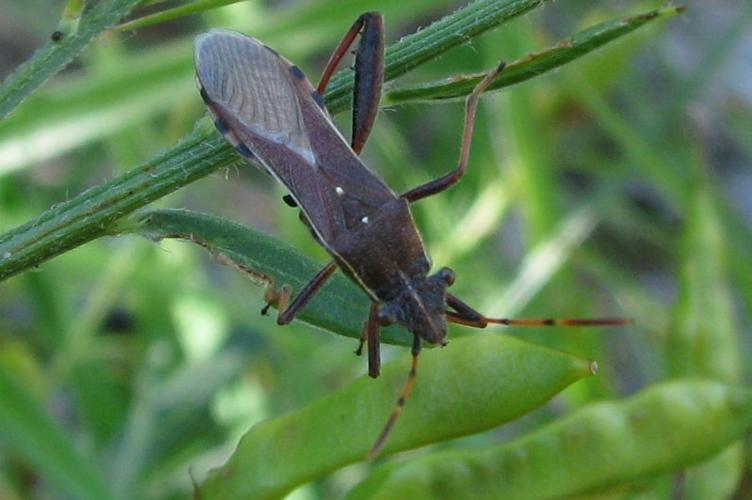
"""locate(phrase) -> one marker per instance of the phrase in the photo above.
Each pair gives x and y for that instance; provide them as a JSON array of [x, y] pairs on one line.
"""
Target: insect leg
[[276, 297], [369, 73], [397, 410], [287, 313], [466, 315], [370, 335], [442, 183], [370, 22]]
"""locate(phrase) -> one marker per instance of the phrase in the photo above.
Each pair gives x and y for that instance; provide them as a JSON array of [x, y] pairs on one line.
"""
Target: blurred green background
[[619, 185]]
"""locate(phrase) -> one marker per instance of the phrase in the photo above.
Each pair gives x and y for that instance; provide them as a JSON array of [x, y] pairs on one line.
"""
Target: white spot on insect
[[7, 255], [364, 220], [339, 191]]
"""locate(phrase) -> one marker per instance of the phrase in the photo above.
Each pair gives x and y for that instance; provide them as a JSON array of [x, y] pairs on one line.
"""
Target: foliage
[[130, 369]]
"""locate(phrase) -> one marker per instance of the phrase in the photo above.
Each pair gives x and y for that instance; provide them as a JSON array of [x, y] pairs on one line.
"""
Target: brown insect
[[269, 111]]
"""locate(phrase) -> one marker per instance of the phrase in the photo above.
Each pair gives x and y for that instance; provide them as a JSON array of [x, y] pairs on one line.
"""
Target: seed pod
[[471, 385], [703, 339], [663, 428]]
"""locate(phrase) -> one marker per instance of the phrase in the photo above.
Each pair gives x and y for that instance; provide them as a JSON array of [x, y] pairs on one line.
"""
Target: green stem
[[441, 36], [92, 214], [55, 55]]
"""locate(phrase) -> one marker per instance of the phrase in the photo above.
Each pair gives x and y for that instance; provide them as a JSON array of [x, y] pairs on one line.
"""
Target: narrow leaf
[[501, 379], [703, 339], [532, 65], [55, 55], [339, 307], [174, 13], [427, 44]]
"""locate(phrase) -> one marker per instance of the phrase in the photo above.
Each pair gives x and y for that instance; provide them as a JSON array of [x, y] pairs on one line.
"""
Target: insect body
[[268, 110]]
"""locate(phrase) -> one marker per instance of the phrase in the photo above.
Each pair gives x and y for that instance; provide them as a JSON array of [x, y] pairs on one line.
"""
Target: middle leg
[[407, 389], [444, 182], [370, 336]]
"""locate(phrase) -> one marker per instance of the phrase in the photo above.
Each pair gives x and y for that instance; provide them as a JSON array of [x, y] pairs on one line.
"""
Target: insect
[[269, 111]]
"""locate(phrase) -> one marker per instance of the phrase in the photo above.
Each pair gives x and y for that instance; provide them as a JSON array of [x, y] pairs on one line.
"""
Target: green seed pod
[[663, 428], [473, 384], [703, 339]]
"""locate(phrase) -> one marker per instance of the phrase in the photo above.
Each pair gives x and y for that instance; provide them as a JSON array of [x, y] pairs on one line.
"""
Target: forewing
[[269, 111], [253, 83]]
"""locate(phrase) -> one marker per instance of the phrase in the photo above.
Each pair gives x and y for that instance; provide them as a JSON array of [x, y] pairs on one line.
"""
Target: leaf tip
[[670, 11]]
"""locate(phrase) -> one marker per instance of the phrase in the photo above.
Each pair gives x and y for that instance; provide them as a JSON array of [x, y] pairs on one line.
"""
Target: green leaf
[[55, 55], [28, 430], [471, 385], [663, 428], [532, 65], [339, 307]]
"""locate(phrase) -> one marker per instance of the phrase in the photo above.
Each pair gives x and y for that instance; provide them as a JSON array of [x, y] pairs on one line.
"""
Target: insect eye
[[447, 275]]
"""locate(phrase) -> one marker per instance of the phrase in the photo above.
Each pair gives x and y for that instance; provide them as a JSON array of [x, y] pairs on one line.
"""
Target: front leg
[[288, 310], [370, 335]]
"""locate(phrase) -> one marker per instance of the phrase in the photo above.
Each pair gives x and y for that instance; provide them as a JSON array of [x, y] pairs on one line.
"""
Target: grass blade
[[27, 428]]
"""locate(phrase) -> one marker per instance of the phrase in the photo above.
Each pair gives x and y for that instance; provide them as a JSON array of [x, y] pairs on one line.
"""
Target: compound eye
[[447, 275], [385, 318]]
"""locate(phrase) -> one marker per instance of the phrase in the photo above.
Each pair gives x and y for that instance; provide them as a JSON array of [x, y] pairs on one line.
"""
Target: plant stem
[[93, 213], [55, 55]]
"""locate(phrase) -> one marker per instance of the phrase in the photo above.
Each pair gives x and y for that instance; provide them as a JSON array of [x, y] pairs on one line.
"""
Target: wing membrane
[[253, 83], [269, 110]]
